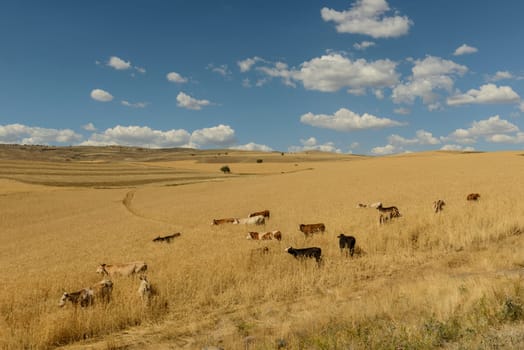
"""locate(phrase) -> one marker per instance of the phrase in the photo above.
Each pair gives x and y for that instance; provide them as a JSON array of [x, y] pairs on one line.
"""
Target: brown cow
[[265, 236], [438, 205], [473, 197], [309, 229], [126, 269], [167, 238], [393, 212], [225, 221], [264, 213]]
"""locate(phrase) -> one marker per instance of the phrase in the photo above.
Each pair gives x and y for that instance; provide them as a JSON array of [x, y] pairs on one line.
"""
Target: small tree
[[260, 160], [225, 169]]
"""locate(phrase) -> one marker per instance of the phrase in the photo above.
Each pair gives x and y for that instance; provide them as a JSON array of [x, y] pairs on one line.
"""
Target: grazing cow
[[438, 205], [264, 213], [309, 229], [225, 221], [84, 297], [473, 197], [392, 211], [103, 290], [265, 236], [254, 220], [126, 269], [312, 252], [260, 251], [383, 218], [167, 239], [346, 242], [145, 290], [372, 205]]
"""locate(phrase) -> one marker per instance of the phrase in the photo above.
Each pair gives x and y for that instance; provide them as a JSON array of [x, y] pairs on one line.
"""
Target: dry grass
[[425, 280]]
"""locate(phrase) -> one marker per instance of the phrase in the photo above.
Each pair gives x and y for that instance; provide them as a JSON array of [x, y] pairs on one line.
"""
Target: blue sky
[[366, 77]]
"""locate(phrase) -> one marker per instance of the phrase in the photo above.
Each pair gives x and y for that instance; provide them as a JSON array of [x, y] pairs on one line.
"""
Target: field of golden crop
[[453, 280]]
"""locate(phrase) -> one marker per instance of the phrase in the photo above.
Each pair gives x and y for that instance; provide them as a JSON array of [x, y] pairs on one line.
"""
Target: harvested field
[[424, 280]]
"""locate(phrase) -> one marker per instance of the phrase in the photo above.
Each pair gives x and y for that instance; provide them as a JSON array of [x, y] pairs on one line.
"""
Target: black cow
[[347, 242], [167, 238], [312, 252]]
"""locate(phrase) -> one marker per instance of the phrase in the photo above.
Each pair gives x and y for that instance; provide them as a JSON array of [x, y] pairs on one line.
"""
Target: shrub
[[225, 169], [260, 160]]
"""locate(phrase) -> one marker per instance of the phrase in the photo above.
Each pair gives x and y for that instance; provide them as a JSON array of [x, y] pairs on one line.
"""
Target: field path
[[127, 202]]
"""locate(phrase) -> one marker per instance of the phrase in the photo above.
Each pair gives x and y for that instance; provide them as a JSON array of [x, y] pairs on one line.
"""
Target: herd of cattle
[[102, 290]]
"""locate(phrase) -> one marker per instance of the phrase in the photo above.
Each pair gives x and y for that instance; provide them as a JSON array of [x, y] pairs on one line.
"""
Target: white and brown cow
[[84, 297], [253, 220], [126, 269], [224, 221], [264, 213], [265, 236]]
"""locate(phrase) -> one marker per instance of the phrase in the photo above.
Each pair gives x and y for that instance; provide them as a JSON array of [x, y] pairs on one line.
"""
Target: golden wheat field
[[452, 280]]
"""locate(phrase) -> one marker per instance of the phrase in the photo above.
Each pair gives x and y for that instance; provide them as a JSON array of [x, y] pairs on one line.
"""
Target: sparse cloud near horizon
[[311, 144], [144, 136], [31, 135], [251, 146]]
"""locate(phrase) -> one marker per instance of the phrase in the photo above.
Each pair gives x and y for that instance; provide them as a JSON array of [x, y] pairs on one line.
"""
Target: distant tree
[[225, 169]]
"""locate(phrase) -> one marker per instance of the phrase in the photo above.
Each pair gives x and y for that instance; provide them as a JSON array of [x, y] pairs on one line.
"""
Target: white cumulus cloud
[[346, 120], [368, 17], [488, 93], [422, 137], [188, 102], [248, 63], [312, 144], [464, 50], [483, 128], [101, 95], [333, 71], [221, 135], [500, 75], [118, 63], [429, 75], [253, 147], [452, 147], [384, 150], [139, 136], [30, 135], [174, 77]]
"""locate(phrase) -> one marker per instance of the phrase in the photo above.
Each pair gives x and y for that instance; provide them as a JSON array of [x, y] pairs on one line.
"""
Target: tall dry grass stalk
[[423, 280]]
